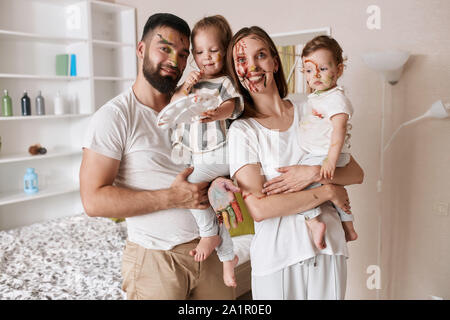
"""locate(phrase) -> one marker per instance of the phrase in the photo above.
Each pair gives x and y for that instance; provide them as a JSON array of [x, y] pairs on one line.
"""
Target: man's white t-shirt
[[282, 241], [316, 126], [126, 130]]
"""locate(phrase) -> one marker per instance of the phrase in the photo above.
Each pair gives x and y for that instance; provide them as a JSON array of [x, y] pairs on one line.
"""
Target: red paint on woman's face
[[242, 66], [251, 60]]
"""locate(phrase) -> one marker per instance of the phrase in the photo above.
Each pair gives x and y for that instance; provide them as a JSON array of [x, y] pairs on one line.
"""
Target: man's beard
[[164, 84]]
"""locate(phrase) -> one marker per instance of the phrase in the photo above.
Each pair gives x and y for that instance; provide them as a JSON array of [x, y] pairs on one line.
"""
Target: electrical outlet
[[440, 208]]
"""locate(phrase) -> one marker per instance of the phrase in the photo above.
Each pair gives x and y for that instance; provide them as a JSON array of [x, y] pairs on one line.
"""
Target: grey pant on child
[[207, 167], [314, 160]]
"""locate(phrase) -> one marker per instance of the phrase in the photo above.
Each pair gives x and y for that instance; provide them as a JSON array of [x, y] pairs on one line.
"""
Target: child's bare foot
[[205, 247], [350, 233], [318, 232], [228, 272]]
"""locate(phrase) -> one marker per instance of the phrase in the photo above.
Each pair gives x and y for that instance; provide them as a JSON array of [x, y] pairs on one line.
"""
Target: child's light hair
[[324, 42]]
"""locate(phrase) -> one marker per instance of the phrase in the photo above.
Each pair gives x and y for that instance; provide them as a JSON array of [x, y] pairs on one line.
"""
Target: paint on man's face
[[171, 51]]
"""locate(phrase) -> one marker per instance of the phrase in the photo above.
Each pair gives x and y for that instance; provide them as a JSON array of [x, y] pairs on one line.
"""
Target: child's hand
[[224, 111], [191, 80], [327, 169], [211, 115]]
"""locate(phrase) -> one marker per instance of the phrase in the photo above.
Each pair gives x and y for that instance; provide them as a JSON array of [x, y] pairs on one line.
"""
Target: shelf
[[17, 35], [41, 77], [298, 37], [111, 44], [18, 157], [113, 79], [50, 116], [110, 7], [20, 196]]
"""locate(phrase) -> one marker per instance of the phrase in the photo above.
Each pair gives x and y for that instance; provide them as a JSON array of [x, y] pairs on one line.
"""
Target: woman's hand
[[339, 197], [292, 179]]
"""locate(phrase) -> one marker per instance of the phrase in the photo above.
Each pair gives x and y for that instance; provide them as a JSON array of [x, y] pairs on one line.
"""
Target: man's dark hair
[[166, 20]]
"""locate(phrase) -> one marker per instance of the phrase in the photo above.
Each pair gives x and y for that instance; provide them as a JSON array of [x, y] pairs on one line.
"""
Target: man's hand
[[189, 195], [292, 179]]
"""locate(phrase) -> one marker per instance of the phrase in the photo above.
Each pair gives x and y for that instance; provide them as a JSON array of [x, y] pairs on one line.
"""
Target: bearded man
[[127, 172]]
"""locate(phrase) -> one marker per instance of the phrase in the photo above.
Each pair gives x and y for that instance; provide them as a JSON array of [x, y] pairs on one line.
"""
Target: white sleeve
[[228, 91], [242, 146], [106, 133], [339, 104]]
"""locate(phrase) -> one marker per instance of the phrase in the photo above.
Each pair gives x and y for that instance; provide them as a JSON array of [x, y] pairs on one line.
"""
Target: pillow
[[246, 226]]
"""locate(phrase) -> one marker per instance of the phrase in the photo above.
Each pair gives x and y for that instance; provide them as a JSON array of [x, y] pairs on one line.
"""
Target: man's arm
[[101, 199]]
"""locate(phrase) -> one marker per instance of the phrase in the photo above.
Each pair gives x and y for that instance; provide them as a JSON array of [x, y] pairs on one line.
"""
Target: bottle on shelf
[[73, 65], [26, 104], [40, 104], [6, 105], [30, 181], [59, 107]]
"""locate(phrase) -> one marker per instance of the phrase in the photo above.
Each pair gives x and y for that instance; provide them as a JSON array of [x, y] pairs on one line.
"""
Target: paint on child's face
[[320, 70], [208, 52], [251, 61]]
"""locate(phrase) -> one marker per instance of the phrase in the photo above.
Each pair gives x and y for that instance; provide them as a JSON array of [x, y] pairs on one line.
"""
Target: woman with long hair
[[263, 145]]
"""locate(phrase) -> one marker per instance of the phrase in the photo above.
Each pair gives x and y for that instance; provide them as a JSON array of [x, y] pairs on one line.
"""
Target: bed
[[77, 258]]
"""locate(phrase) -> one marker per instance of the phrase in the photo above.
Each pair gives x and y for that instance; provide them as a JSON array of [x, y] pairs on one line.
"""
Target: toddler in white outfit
[[324, 125], [204, 141]]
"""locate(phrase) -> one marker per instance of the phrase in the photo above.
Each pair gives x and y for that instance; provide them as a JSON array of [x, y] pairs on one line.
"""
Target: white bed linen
[[72, 258]]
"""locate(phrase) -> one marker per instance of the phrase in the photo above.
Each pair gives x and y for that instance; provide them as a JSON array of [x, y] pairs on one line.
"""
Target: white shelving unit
[[32, 33]]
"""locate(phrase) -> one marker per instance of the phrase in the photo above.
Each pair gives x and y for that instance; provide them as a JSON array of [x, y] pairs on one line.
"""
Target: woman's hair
[[256, 33], [324, 42], [223, 29]]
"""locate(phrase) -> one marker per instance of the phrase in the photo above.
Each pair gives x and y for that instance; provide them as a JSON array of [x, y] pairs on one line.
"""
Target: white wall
[[415, 242]]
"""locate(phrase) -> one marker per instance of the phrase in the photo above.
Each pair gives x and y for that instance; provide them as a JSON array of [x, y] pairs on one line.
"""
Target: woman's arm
[[297, 177], [352, 173], [262, 206]]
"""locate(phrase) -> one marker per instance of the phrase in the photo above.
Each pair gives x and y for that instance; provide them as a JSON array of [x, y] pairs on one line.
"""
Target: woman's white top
[[282, 241]]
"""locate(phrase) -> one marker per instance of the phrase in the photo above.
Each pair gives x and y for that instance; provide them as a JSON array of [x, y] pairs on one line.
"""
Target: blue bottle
[[73, 65], [30, 181]]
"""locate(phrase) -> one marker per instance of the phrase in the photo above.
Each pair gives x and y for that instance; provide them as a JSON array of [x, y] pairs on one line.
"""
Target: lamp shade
[[438, 110], [388, 63]]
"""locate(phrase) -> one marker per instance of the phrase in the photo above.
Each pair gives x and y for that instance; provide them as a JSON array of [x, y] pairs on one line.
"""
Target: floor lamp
[[390, 66]]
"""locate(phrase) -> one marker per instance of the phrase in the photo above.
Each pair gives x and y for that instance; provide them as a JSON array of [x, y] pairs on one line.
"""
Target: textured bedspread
[[69, 258]]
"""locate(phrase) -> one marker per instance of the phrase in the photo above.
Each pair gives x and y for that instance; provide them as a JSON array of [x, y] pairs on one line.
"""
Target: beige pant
[[172, 274]]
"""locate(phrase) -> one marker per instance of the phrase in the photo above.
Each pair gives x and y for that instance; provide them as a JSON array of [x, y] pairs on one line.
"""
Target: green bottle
[[6, 105]]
